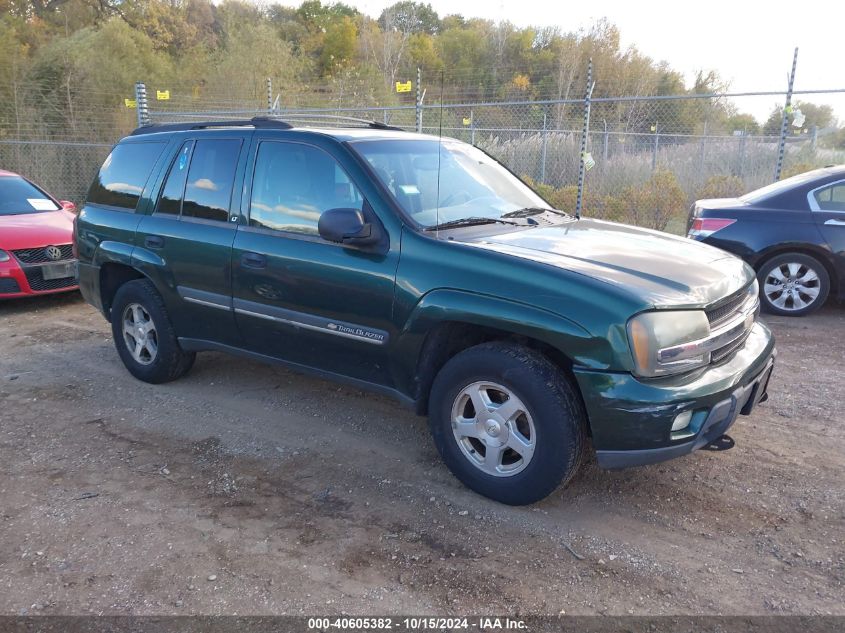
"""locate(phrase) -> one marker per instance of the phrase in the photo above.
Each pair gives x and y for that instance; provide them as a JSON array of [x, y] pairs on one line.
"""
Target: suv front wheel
[[144, 336], [507, 422]]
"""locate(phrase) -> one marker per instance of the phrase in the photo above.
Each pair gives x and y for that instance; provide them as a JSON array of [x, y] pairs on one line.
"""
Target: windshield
[[471, 184], [769, 191], [17, 196]]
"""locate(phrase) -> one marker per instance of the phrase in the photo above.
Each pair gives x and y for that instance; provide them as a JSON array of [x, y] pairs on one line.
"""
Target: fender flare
[[510, 317]]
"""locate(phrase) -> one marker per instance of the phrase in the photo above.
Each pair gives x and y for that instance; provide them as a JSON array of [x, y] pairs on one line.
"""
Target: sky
[[749, 43]]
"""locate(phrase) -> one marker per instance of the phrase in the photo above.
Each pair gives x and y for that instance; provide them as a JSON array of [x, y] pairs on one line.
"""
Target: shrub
[[721, 186], [657, 202]]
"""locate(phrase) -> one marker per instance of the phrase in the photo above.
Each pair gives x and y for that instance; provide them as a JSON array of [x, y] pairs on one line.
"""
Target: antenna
[[439, 151]]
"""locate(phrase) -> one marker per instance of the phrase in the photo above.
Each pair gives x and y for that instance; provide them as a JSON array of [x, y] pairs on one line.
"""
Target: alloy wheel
[[139, 334], [493, 429], [792, 286]]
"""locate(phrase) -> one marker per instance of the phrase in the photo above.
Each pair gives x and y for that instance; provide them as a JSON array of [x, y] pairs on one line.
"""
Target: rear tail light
[[705, 227]]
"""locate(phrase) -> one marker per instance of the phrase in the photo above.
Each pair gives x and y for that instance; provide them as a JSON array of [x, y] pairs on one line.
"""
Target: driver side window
[[294, 184]]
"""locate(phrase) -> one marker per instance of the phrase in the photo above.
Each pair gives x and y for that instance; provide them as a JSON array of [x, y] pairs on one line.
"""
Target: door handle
[[154, 241], [833, 222], [254, 260]]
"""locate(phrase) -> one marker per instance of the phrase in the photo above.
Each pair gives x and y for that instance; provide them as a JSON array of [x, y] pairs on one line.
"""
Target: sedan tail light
[[705, 227]]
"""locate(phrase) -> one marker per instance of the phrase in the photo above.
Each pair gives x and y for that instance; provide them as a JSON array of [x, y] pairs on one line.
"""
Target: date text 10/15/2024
[[415, 624]]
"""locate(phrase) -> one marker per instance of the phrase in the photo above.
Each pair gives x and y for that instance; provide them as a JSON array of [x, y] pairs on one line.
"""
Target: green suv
[[421, 268]]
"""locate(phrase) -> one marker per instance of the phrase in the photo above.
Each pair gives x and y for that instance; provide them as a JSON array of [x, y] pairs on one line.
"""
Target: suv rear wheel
[[144, 336], [793, 284], [507, 422]]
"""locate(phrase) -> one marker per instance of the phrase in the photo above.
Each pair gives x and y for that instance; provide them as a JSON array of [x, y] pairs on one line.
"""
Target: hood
[[30, 230], [661, 269]]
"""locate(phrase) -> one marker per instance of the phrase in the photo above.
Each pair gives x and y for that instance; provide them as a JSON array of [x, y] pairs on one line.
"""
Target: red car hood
[[28, 230]]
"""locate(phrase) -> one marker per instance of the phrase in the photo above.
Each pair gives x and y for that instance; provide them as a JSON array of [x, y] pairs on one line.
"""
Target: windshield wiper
[[529, 211], [471, 221]]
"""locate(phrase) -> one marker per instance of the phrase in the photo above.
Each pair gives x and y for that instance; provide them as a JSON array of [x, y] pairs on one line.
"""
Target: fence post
[[741, 158], [656, 145], [472, 127], [418, 102], [784, 122], [584, 133], [605, 141], [703, 148], [269, 95], [141, 105], [814, 137], [545, 143]]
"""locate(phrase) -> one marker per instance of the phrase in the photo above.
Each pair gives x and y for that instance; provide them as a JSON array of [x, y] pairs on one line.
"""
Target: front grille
[[39, 255], [9, 286], [722, 353], [722, 312], [37, 282]]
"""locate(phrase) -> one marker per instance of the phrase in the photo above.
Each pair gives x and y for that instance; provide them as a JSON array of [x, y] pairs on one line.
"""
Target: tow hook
[[721, 443]]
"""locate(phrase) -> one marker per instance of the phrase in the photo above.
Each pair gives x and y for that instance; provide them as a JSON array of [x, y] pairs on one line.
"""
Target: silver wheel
[[792, 286], [139, 334], [493, 429]]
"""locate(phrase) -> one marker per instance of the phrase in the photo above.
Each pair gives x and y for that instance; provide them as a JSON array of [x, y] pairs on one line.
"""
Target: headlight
[[651, 332], [4, 256]]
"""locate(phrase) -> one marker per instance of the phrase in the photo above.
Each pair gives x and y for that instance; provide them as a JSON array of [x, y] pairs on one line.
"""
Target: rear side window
[[831, 198], [123, 175], [208, 191]]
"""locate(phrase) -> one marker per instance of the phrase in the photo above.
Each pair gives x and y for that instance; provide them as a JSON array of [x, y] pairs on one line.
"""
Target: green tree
[[743, 122], [339, 45], [820, 116], [410, 17]]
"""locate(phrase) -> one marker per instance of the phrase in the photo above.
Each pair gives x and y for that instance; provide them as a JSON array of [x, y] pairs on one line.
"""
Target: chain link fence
[[646, 160]]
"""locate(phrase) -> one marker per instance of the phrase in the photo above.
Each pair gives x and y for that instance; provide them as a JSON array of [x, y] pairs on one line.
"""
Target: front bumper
[[26, 280], [631, 420]]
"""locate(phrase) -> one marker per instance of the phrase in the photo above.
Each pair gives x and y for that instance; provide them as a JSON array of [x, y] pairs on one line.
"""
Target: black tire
[[552, 402], [777, 268], [170, 360]]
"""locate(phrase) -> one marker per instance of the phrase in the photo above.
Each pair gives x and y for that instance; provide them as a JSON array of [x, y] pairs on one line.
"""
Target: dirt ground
[[248, 489]]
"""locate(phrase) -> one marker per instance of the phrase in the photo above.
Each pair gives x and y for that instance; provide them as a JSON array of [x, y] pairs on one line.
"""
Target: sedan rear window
[[18, 196]]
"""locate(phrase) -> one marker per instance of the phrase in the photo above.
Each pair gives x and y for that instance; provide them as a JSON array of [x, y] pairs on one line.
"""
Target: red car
[[36, 235]]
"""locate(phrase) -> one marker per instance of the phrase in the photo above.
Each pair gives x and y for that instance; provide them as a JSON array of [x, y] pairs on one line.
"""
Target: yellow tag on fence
[[163, 95], [467, 120], [130, 103], [403, 87]]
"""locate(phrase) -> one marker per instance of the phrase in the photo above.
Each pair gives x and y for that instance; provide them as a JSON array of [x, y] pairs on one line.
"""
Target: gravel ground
[[248, 489]]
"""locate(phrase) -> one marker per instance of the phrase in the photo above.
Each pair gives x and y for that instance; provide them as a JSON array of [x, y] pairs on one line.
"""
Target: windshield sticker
[[409, 190], [41, 204]]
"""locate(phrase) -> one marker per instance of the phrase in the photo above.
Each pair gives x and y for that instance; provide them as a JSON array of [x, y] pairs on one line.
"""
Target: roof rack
[[258, 122], [306, 116], [262, 122]]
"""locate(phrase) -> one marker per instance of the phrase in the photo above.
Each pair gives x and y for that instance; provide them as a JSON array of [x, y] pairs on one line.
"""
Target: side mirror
[[67, 205], [347, 226]]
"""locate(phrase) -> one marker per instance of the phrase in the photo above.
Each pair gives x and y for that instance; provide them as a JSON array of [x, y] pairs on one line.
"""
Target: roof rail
[[257, 122], [264, 122], [294, 116]]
